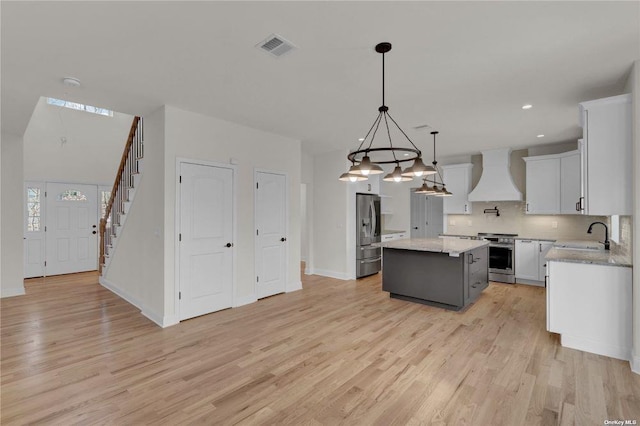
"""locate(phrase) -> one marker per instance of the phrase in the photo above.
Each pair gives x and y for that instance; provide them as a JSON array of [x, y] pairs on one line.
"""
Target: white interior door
[[418, 215], [71, 228], [271, 233], [206, 239], [34, 222], [435, 221]]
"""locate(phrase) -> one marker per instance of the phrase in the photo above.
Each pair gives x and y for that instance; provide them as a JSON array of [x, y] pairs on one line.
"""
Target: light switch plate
[[554, 224]]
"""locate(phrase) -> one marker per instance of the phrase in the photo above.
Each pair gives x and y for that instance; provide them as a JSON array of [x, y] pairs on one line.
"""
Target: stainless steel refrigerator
[[368, 258]]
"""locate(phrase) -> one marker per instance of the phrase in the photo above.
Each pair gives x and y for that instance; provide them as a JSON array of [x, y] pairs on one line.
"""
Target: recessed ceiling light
[[71, 82], [527, 106], [406, 154], [540, 136], [360, 139]]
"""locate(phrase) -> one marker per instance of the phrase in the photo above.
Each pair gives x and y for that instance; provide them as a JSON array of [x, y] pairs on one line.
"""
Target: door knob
[[229, 245], [283, 239], [415, 227], [94, 226], [94, 232]]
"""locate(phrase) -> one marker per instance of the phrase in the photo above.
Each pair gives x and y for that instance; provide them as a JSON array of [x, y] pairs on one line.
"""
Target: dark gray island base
[[449, 280]]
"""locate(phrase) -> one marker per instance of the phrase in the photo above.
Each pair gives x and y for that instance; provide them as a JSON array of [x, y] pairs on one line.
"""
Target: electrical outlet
[[452, 222], [554, 224], [469, 223]]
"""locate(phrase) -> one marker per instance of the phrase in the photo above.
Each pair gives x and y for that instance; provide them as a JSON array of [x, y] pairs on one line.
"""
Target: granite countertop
[[535, 239], [578, 252], [391, 231], [436, 245], [475, 237]]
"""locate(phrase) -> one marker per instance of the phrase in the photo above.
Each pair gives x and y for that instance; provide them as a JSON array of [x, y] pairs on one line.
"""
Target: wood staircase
[[122, 193]]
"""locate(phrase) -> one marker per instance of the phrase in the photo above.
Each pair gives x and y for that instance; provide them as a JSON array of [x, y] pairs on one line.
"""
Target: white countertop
[[452, 247]]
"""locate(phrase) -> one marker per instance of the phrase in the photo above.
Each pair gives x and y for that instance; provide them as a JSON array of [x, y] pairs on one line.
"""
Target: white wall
[[330, 224], [91, 153], [136, 271], [11, 222], [195, 136]]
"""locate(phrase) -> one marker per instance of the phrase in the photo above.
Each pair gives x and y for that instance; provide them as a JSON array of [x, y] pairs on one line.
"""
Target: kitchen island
[[442, 272]]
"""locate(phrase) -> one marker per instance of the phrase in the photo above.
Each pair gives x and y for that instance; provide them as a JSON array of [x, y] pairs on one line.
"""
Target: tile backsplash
[[626, 235], [514, 220]]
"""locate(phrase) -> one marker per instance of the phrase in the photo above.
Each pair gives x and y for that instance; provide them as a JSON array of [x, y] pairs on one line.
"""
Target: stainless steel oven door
[[501, 258]]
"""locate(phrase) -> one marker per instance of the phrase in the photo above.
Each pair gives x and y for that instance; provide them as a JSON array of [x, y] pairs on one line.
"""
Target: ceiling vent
[[276, 45]]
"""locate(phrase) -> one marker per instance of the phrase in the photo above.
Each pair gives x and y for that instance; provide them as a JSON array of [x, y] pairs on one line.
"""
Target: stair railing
[[133, 151]]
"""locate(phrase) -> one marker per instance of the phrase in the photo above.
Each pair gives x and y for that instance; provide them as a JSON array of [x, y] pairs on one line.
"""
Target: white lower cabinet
[[589, 305], [530, 262]]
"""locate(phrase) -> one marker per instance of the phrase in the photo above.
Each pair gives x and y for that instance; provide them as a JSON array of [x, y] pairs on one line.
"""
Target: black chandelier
[[361, 160], [438, 188]]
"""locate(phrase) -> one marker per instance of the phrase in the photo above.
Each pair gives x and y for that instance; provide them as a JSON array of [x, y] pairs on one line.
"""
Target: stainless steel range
[[501, 256]]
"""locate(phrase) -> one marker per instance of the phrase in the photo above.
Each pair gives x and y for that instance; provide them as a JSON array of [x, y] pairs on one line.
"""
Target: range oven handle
[[502, 245], [377, 259]]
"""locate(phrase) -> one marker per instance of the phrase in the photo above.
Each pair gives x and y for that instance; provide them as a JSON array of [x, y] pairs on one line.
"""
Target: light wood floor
[[337, 352]]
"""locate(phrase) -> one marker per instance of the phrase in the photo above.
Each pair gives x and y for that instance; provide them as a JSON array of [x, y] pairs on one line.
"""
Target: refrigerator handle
[[374, 225]]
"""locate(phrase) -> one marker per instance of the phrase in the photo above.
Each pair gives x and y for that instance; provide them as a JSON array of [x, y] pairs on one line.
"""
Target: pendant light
[[438, 189], [425, 188], [396, 175], [367, 158], [350, 176]]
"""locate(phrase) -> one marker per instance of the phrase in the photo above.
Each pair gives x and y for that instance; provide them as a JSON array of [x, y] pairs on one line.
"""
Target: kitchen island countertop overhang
[[452, 247]]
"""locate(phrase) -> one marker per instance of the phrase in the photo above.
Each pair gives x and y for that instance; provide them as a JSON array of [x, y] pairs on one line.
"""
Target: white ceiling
[[465, 68]]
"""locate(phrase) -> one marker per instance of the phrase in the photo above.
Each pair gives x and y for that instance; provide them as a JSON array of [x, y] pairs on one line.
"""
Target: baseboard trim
[[162, 321], [12, 292], [308, 271], [635, 363], [294, 286], [244, 300], [599, 348], [529, 282], [331, 274], [112, 287]]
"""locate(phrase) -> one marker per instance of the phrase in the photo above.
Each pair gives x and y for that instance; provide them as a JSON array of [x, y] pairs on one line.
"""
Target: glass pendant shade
[[366, 167], [418, 169], [396, 176]]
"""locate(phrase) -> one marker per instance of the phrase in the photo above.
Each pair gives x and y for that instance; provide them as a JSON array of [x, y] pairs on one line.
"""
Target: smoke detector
[[276, 45]]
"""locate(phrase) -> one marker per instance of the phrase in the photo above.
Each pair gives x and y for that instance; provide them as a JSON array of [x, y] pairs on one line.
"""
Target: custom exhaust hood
[[496, 183]]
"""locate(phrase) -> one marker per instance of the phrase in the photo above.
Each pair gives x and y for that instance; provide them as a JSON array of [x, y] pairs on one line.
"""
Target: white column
[[11, 201]]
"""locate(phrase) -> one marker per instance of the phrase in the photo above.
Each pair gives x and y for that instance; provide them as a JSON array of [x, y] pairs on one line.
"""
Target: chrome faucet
[[606, 234]]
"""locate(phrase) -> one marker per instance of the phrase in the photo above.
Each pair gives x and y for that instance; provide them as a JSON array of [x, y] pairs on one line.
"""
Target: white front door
[[71, 228], [34, 222], [271, 233], [206, 239]]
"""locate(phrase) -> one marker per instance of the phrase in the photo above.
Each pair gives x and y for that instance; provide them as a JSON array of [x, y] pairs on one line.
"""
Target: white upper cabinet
[[606, 127], [570, 183], [554, 183], [457, 178], [543, 185]]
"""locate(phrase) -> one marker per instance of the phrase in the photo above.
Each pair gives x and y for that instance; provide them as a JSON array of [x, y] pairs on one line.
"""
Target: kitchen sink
[[580, 246]]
